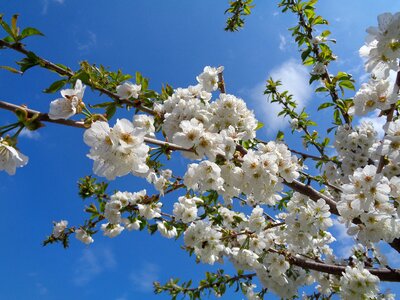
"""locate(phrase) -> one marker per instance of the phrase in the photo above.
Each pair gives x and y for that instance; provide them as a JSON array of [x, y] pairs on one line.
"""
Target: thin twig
[[44, 63]]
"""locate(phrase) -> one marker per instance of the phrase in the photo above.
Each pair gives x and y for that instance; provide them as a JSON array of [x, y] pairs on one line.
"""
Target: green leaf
[[321, 89], [325, 33], [101, 105], [325, 105], [305, 54], [280, 135], [29, 61], [9, 39], [330, 129], [11, 69], [139, 78], [110, 111], [347, 84], [6, 27], [55, 86], [259, 125], [29, 31], [309, 61], [336, 117], [14, 28]]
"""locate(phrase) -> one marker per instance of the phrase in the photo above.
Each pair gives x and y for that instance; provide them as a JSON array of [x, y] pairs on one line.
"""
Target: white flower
[[318, 69], [191, 132], [59, 228], [382, 47], [146, 122], [83, 236], [205, 240], [165, 232], [204, 176], [117, 151], [358, 283], [160, 182], [128, 198], [374, 94], [132, 224], [112, 211], [70, 103], [111, 230], [150, 211], [128, 90], [209, 78], [186, 209], [10, 158]]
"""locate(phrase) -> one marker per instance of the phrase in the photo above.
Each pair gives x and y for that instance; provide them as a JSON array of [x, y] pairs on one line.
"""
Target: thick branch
[[313, 194], [383, 274]]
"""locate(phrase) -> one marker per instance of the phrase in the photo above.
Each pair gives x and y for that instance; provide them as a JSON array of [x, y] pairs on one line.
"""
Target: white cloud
[[89, 42], [143, 280], [393, 258], [294, 78], [42, 290], [33, 135], [282, 42], [46, 3], [344, 242], [92, 263]]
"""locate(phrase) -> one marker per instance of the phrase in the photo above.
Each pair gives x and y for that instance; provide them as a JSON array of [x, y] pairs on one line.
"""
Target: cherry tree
[[259, 205]]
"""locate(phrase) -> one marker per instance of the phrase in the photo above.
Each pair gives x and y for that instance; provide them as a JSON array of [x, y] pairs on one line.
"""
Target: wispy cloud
[[143, 279], [46, 3], [33, 135], [294, 78], [42, 290], [92, 263], [90, 40], [282, 42], [123, 297]]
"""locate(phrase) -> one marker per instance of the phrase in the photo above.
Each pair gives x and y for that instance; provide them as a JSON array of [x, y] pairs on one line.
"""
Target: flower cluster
[[382, 51], [117, 151], [186, 209], [306, 225], [191, 120], [205, 240], [354, 150], [382, 47], [376, 94], [118, 203], [367, 197], [358, 283]]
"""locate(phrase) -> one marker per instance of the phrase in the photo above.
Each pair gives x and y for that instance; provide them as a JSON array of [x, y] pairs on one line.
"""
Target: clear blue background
[[169, 42]]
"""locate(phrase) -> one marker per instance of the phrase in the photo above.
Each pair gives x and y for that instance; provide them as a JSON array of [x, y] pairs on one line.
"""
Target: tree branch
[[382, 274], [79, 124], [44, 63]]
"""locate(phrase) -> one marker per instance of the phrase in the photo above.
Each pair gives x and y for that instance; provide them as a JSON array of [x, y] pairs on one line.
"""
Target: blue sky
[[169, 42]]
